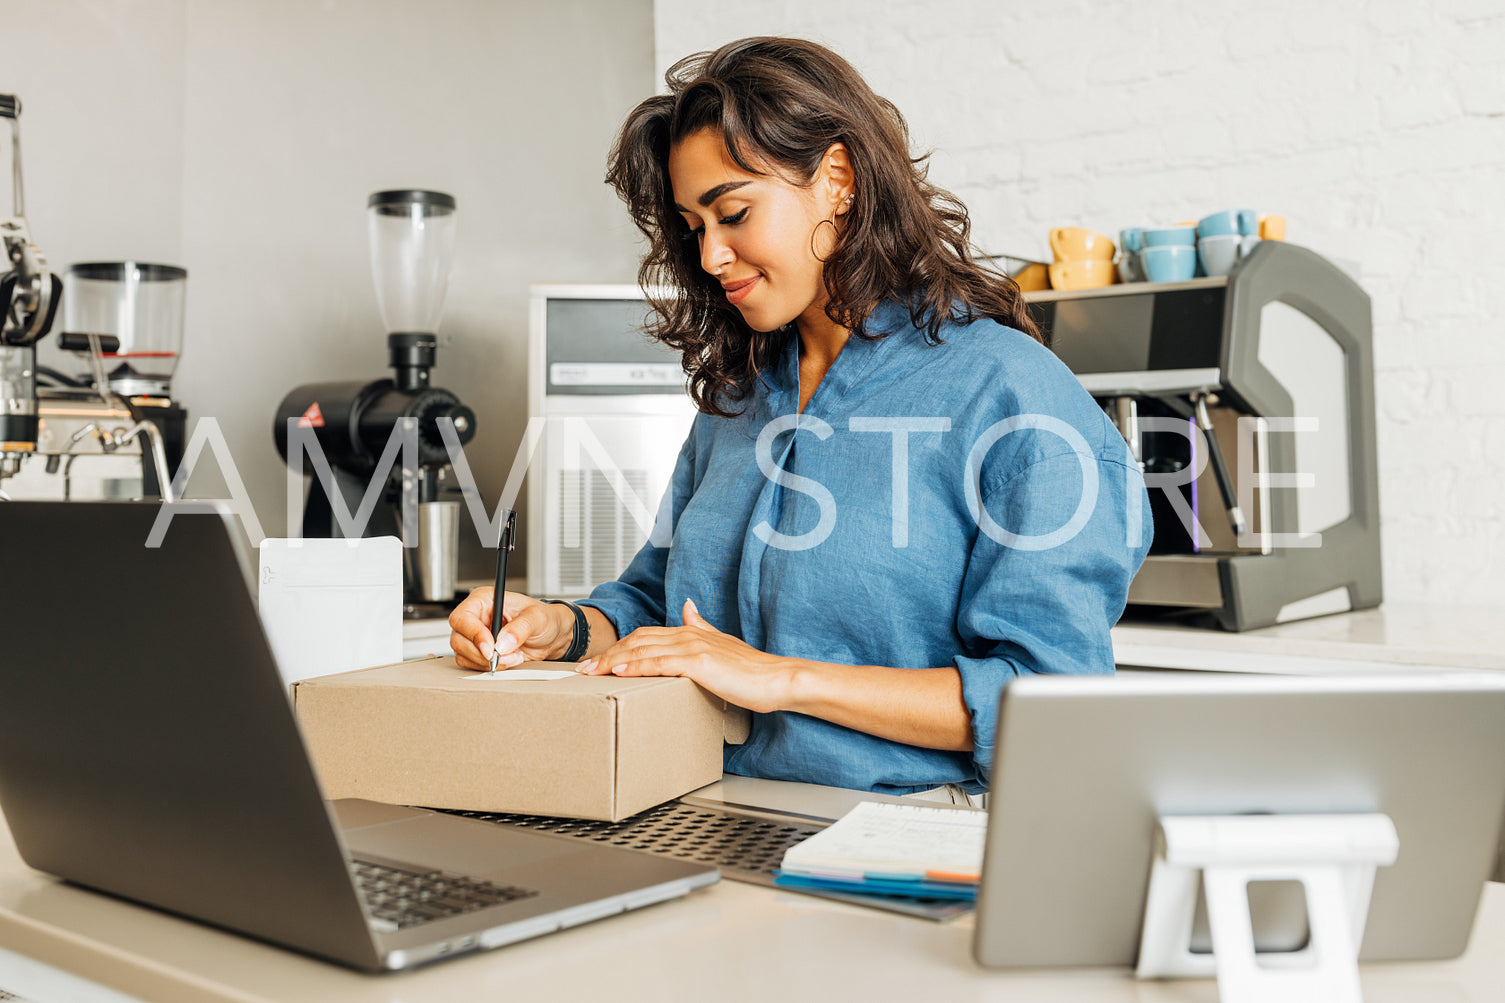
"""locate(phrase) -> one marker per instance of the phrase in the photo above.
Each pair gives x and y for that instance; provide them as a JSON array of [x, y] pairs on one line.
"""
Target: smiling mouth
[[736, 292]]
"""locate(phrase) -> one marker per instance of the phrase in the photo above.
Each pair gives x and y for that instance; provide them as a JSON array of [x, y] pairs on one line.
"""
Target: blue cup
[[1169, 262], [1131, 240], [1171, 236], [1219, 224], [1220, 253], [1248, 223]]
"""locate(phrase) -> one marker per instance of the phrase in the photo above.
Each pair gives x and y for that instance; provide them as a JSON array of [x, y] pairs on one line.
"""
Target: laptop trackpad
[[463, 846]]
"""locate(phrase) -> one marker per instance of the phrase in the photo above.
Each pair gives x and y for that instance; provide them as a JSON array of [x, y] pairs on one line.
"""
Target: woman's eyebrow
[[712, 194]]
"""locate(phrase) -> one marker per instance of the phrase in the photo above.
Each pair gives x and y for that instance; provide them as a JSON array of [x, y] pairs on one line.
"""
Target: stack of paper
[[893, 849]]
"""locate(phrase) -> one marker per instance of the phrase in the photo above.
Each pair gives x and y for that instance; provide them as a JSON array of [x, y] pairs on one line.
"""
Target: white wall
[[1377, 128], [101, 89], [241, 140]]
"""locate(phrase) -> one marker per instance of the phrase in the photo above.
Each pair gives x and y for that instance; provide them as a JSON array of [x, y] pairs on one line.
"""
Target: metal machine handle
[[157, 450], [10, 107], [1219, 468], [78, 341]]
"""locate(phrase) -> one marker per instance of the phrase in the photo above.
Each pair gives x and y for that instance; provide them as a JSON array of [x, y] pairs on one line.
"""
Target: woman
[[894, 498]]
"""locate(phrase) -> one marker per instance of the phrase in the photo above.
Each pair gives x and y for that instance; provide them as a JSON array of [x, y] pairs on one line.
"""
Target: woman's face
[[757, 233]]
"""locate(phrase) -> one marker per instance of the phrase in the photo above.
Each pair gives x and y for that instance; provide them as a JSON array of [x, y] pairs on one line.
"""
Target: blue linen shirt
[[806, 536]]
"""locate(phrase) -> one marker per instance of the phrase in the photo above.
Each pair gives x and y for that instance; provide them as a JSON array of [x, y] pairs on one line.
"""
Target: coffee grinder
[[412, 239]]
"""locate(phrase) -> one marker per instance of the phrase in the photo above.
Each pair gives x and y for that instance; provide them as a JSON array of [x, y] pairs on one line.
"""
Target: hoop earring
[[836, 235]]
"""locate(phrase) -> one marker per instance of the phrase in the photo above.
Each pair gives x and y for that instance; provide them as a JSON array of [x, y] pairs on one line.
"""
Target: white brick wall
[[1377, 128]]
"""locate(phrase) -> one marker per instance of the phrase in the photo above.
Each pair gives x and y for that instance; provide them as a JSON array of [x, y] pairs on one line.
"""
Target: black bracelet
[[581, 642]]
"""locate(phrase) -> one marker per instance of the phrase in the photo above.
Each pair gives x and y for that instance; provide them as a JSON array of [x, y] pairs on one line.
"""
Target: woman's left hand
[[727, 666]]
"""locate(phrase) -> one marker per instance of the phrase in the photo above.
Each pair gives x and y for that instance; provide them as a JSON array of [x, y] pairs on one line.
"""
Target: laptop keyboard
[[744, 847], [397, 899]]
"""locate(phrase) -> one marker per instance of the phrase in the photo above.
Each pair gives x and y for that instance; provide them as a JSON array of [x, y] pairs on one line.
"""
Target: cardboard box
[[427, 733]]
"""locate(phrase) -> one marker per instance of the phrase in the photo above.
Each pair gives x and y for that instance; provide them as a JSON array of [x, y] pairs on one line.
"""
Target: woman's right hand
[[534, 631]]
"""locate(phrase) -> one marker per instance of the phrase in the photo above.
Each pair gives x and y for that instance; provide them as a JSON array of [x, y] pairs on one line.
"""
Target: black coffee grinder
[[412, 235]]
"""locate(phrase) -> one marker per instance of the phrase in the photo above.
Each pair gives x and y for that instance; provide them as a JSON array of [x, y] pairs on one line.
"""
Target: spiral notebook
[[883, 848]]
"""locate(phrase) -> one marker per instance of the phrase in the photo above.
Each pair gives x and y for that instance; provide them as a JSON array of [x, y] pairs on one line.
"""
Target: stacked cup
[[1225, 237], [1130, 246], [1212, 246], [1084, 259], [1170, 253]]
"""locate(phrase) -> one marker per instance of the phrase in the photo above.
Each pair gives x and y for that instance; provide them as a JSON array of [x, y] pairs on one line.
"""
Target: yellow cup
[[1082, 274], [1033, 278], [1074, 243], [1272, 228]]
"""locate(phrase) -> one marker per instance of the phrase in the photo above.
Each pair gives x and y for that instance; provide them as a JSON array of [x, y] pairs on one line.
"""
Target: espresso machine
[[1248, 402], [353, 423], [86, 433]]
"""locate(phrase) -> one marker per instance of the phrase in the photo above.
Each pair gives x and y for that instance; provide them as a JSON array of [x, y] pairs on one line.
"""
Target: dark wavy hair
[[780, 104]]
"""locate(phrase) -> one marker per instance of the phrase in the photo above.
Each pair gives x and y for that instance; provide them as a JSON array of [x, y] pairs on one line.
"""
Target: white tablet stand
[[1333, 856]]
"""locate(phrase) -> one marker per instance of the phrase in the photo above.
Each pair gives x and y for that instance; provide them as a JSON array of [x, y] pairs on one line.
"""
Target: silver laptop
[[148, 749], [1086, 766]]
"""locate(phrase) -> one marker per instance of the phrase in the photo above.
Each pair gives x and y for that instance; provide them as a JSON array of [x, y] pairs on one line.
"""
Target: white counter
[[741, 942], [1394, 637], [731, 942], [423, 638]]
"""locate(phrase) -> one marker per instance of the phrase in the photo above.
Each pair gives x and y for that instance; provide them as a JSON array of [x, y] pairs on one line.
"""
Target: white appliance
[[615, 413]]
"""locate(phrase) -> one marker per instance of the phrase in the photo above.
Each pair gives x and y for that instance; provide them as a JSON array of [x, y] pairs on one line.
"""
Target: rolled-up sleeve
[[1046, 610], [636, 599]]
